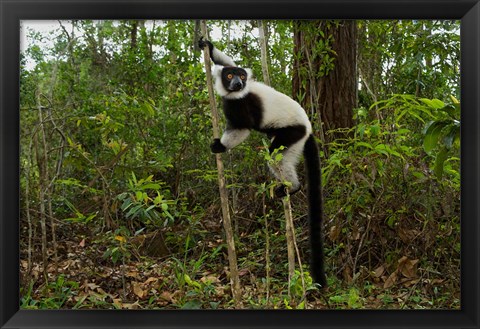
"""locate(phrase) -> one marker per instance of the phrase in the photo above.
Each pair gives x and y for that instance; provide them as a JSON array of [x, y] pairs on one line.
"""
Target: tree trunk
[[133, 35], [325, 77]]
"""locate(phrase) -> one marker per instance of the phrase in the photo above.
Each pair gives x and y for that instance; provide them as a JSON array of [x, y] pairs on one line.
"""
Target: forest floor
[[85, 277]]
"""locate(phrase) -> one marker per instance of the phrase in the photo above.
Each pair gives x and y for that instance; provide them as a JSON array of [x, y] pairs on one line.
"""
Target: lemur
[[247, 105]]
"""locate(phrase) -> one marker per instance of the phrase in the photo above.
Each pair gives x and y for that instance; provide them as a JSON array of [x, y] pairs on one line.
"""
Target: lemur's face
[[234, 78]]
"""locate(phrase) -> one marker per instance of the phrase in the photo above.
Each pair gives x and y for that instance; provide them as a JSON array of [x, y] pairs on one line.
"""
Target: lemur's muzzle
[[236, 84]]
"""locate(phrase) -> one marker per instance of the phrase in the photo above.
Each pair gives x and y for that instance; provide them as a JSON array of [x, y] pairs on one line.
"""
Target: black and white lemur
[[248, 105]]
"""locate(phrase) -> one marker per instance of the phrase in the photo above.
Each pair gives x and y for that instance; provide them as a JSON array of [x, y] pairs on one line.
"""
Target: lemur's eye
[[230, 76], [242, 77]]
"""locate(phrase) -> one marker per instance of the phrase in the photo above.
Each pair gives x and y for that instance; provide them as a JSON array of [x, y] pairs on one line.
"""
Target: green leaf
[[158, 199], [381, 149], [432, 135], [90, 217], [148, 109], [433, 103], [391, 221], [418, 175], [126, 204], [439, 161], [190, 282], [454, 100], [367, 145], [150, 186], [403, 131], [450, 136], [437, 104], [133, 211], [361, 130], [374, 130], [150, 208]]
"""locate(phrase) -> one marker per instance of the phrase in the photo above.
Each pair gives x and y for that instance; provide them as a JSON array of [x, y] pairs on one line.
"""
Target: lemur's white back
[[279, 110]]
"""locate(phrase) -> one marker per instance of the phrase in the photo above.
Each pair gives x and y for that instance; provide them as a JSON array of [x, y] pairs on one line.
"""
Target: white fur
[[233, 137], [279, 110], [220, 57], [286, 170]]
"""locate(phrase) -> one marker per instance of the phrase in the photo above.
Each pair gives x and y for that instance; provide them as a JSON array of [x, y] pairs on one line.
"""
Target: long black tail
[[315, 209]]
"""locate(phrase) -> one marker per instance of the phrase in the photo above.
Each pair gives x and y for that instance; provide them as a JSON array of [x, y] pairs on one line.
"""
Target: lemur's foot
[[281, 191], [217, 146]]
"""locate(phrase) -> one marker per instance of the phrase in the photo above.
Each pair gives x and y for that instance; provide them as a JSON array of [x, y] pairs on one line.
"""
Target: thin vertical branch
[[266, 80], [290, 235], [304, 290], [227, 225], [287, 207], [263, 51], [234, 190], [27, 202], [267, 249], [28, 168], [42, 163]]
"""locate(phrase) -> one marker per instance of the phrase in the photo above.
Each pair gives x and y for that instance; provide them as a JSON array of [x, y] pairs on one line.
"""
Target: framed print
[[239, 164]]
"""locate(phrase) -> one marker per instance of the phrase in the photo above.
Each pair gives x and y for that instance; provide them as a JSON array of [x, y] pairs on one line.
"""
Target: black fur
[[243, 113], [285, 136], [217, 146], [202, 43], [315, 209], [281, 191]]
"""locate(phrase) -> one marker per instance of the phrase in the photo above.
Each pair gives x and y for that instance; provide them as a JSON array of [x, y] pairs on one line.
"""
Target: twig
[[267, 250]]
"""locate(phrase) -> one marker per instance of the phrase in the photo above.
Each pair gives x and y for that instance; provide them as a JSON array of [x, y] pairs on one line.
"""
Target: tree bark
[[263, 50], [325, 77], [133, 35]]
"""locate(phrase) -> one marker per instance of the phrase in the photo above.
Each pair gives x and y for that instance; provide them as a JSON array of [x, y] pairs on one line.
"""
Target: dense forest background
[[119, 197]]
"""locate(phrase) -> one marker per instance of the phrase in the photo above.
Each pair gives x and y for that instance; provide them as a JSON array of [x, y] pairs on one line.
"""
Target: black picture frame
[[13, 11]]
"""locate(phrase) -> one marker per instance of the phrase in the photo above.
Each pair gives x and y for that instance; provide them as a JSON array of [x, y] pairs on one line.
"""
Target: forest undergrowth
[[383, 247]]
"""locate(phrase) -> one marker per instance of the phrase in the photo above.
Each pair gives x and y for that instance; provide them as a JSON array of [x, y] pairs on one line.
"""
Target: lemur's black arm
[[218, 57]]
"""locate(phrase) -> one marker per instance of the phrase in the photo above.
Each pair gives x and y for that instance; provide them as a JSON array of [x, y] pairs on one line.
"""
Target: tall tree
[[324, 77]]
